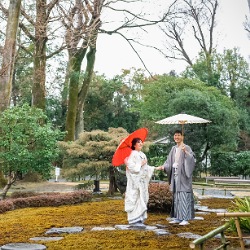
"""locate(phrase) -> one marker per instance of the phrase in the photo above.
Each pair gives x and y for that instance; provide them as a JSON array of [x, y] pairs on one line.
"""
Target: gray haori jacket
[[185, 170]]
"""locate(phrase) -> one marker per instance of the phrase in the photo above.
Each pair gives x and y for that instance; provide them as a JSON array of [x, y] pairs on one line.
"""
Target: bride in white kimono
[[138, 174]]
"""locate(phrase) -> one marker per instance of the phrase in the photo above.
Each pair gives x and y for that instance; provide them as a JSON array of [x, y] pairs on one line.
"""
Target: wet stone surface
[[189, 235], [102, 228], [46, 238], [206, 209], [161, 231], [198, 218], [59, 230], [23, 246], [158, 229]]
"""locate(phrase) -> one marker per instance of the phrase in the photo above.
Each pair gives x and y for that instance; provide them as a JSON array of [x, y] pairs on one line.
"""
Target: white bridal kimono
[[138, 177]]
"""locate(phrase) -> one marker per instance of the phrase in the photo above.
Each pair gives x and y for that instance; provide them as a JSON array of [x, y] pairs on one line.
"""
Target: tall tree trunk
[[75, 68], [9, 53], [38, 88], [64, 94], [79, 126], [112, 184]]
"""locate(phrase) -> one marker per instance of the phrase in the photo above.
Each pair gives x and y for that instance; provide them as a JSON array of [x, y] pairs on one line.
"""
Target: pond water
[[216, 193]]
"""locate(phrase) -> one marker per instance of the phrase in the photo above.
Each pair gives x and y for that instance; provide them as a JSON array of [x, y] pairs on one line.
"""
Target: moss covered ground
[[22, 224]]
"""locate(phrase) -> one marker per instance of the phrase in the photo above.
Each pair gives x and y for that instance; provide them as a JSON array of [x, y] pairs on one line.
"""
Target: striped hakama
[[183, 205]]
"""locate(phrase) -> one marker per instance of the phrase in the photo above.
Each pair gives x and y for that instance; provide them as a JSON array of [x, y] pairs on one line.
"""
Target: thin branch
[[138, 55]]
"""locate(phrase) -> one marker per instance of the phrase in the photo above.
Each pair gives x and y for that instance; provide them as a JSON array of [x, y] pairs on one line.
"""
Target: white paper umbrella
[[182, 119]]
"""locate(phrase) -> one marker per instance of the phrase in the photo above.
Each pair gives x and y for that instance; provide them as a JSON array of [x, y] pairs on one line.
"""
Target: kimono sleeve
[[168, 163], [134, 162], [189, 162]]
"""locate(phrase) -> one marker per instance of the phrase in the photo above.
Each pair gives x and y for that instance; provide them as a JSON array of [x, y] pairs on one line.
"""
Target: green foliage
[[108, 105], [222, 163], [22, 85], [55, 113], [177, 95], [230, 73], [205, 69], [91, 153], [230, 163], [242, 205], [27, 143], [3, 181], [242, 164], [85, 186]]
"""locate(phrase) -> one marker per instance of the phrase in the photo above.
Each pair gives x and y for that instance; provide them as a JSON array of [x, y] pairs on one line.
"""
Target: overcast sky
[[114, 54]]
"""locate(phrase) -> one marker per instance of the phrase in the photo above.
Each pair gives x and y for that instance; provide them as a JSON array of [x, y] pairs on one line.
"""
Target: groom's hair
[[177, 132]]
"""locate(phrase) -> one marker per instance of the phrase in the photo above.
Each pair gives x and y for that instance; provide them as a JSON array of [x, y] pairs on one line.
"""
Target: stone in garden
[[46, 238], [102, 228], [23, 246], [137, 226], [59, 230], [122, 227], [150, 228], [198, 218], [161, 232], [161, 226], [188, 235], [247, 242]]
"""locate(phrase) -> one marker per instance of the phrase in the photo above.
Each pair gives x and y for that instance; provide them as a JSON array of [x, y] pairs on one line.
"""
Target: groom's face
[[178, 138]]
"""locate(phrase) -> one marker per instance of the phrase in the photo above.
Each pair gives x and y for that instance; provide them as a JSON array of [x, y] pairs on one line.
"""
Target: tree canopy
[[181, 95], [26, 143]]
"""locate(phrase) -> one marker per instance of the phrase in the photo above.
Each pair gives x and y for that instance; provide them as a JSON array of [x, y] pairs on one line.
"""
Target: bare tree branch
[[187, 15]]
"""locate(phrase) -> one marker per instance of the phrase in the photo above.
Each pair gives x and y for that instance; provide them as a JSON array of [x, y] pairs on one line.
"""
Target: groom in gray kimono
[[179, 168]]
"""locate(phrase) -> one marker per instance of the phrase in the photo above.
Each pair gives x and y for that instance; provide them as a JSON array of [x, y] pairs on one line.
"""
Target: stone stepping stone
[[189, 235], [161, 226], [46, 238], [150, 228], [23, 246], [59, 230], [137, 227], [247, 242], [206, 209], [198, 218], [102, 228], [122, 227], [202, 213], [161, 231]]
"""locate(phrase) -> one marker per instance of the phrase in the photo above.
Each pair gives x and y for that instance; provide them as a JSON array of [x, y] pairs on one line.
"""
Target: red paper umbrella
[[124, 148]]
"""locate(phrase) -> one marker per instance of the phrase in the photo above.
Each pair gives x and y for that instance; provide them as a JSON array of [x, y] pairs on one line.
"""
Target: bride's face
[[138, 145]]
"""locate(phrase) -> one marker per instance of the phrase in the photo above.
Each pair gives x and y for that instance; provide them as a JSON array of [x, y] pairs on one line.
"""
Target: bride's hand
[[159, 168]]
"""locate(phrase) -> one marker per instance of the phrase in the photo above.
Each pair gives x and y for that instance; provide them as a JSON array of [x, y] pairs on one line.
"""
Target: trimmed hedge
[[46, 200], [160, 197]]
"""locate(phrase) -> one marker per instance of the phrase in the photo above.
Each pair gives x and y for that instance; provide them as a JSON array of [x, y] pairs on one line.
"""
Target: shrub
[[45, 200], [6, 205], [3, 181], [84, 186], [33, 177], [25, 194], [160, 197], [242, 205], [19, 194]]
